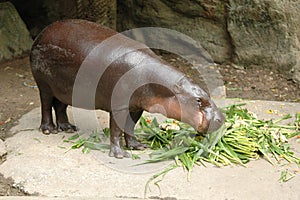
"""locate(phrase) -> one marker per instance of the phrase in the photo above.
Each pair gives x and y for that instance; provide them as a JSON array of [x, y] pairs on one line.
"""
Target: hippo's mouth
[[209, 122], [202, 124], [202, 132]]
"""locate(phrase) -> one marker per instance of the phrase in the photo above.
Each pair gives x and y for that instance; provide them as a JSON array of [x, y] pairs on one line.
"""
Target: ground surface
[[61, 173], [18, 96], [258, 83]]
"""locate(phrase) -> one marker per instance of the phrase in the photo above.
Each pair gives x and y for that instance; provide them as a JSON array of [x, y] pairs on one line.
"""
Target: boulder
[[265, 33], [15, 39], [203, 20], [38, 14], [256, 32]]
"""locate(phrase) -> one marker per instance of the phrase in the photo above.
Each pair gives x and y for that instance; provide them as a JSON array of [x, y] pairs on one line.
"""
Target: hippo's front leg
[[130, 139], [116, 149]]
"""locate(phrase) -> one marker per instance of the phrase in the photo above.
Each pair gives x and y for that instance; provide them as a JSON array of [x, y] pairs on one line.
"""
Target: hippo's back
[[68, 39]]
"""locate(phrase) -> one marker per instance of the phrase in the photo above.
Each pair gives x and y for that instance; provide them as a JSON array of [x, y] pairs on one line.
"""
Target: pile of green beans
[[242, 138]]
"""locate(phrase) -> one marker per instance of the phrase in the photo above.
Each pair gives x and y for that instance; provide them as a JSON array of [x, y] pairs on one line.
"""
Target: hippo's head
[[196, 107]]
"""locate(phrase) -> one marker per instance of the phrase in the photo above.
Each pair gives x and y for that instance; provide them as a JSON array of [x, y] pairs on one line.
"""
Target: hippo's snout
[[216, 122], [214, 119]]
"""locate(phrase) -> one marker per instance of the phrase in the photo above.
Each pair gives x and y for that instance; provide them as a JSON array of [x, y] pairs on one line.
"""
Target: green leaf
[[106, 132], [286, 176], [86, 150], [187, 161], [166, 154], [96, 146], [73, 137]]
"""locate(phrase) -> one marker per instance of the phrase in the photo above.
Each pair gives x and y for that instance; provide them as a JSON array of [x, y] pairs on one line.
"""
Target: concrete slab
[[41, 164]]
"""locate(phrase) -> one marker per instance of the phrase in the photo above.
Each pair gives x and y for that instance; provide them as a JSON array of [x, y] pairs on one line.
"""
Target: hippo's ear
[[178, 87]]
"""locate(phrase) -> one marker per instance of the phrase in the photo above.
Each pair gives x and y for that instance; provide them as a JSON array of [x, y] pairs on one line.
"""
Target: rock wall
[[204, 21], [38, 14], [100, 11], [15, 39], [265, 33], [245, 32]]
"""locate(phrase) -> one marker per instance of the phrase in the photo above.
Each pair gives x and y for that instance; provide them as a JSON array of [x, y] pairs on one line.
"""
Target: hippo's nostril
[[218, 120]]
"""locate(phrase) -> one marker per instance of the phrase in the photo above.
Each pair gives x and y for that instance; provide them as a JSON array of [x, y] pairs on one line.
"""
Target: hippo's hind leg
[[130, 139], [62, 121], [46, 97]]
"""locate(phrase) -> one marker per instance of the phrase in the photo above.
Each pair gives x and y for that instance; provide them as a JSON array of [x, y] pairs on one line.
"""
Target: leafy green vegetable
[[242, 138], [92, 142]]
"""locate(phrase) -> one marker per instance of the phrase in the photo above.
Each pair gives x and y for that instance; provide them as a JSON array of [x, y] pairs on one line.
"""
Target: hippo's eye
[[202, 103], [199, 101]]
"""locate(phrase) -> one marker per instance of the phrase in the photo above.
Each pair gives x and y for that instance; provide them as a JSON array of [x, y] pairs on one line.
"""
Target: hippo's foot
[[132, 143], [48, 128], [67, 127], [118, 152]]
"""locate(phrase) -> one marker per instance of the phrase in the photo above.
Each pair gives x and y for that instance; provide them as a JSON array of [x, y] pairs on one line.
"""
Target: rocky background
[[243, 32], [15, 39], [263, 33]]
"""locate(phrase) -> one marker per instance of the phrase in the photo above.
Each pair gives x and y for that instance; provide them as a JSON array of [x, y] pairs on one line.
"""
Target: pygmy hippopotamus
[[64, 47]]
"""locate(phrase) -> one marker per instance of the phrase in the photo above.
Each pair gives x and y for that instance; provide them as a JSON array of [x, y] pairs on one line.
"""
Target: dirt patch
[[259, 83], [18, 94], [7, 188], [254, 82]]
